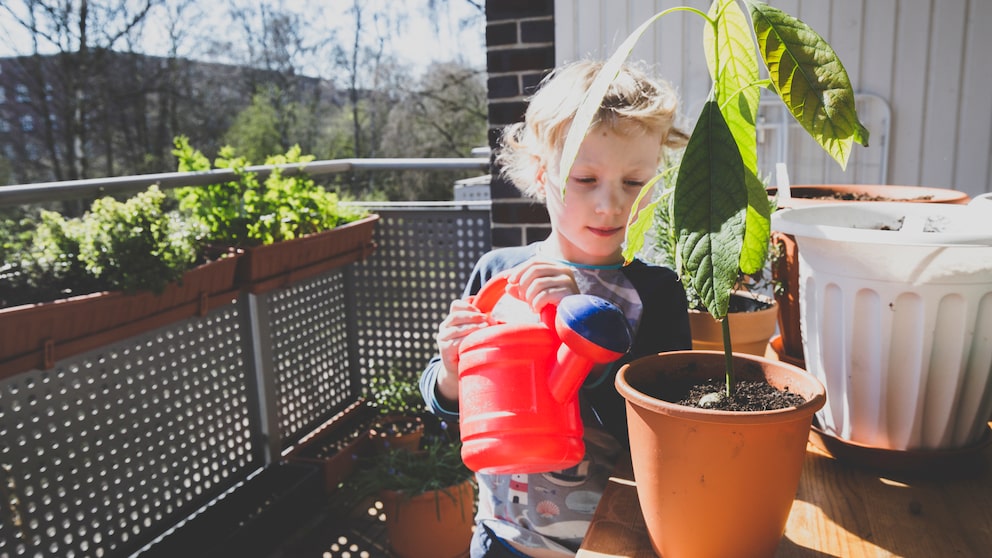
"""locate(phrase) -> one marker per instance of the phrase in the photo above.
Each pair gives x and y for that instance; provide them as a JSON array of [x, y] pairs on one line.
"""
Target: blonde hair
[[634, 104]]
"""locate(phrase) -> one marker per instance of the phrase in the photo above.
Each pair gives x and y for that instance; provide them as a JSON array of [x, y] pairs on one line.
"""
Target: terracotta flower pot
[[785, 266], [750, 331], [397, 431], [715, 483], [435, 524]]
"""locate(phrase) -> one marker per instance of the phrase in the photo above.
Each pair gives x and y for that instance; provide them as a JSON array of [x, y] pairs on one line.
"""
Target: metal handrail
[[21, 194]]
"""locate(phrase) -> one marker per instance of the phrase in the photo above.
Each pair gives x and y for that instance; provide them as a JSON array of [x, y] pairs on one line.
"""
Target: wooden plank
[[841, 509]]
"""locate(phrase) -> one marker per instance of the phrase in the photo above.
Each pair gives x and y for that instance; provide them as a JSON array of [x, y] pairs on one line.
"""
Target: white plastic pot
[[897, 324]]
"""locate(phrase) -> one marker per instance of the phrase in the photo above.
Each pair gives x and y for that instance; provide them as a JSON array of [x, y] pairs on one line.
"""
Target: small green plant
[[437, 467], [720, 211], [393, 394], [137, 244], [247, 211]]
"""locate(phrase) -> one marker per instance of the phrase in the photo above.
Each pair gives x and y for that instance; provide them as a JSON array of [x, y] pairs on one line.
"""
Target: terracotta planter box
[[252, 520], [272, 266], [38, 335], [336, 446]]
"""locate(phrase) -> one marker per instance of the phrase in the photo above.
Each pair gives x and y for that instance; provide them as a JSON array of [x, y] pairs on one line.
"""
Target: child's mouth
[[604, 232]]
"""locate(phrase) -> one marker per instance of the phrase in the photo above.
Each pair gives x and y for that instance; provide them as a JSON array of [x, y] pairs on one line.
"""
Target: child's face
[[605, 179]]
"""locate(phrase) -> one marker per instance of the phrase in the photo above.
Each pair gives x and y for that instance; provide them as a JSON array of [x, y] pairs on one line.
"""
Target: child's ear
[[541, 179]]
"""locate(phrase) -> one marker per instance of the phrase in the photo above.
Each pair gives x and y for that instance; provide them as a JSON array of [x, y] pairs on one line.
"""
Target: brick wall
[[520, 51]]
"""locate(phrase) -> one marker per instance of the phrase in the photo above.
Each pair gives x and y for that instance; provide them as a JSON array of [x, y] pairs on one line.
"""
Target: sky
[[416, 45]]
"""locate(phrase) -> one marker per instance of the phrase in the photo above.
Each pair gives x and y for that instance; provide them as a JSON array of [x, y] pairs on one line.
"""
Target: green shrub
[[127, 245], [248, 212], [137, 244]]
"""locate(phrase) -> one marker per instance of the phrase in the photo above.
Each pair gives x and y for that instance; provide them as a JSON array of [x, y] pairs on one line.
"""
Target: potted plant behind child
[[426, 497], [727, 485]]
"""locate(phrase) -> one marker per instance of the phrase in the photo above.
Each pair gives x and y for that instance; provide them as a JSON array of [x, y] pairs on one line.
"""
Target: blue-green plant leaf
[[809, 77], [594, 96], [710, 207]]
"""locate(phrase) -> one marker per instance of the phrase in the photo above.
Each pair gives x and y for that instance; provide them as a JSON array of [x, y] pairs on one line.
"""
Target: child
[[547, 515]]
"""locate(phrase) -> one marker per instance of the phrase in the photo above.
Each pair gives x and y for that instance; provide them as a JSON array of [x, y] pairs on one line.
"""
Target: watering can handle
[[494, 289]]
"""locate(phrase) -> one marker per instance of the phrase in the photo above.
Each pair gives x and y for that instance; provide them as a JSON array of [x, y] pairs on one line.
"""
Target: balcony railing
[[105, 451]]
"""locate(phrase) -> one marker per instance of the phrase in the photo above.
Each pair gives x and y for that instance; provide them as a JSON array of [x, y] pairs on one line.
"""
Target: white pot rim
[[858, 222]]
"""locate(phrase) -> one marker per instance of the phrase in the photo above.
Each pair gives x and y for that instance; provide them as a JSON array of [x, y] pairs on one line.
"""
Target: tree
[[69, 91], [445, 116]]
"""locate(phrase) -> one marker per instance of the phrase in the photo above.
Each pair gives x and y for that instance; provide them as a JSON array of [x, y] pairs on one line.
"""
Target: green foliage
[[437, 466], [248, 212], [255, 131], [393, 394], [719, 210], [130, 245], [137, 244]]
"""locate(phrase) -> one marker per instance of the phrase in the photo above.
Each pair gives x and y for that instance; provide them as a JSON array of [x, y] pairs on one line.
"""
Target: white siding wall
[[929, 60]]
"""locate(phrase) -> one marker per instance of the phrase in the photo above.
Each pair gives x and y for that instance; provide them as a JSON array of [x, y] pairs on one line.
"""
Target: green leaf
[[733, 67], [758, 226], [809, 77], [710, 206], [639, 227], [594, 96]]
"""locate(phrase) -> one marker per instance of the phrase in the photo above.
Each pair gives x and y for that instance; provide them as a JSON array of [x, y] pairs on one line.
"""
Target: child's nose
[[611, 200]]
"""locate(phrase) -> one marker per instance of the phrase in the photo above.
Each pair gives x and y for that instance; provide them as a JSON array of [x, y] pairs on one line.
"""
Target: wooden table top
[[842, 509]]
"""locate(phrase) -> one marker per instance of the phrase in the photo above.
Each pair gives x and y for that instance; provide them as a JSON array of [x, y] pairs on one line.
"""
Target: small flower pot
[[397, 432], [435, 524], [750, 329], [337, 446]]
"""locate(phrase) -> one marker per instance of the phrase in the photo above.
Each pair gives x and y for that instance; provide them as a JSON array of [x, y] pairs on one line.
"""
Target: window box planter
[[276, 265], [38, 335], [337, 446]]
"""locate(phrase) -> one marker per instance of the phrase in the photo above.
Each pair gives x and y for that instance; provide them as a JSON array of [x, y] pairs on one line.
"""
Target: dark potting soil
[[749, 395], [815, 194]]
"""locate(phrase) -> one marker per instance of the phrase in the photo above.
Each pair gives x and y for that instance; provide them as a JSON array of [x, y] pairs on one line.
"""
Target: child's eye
[[634, 183], [585, 179]]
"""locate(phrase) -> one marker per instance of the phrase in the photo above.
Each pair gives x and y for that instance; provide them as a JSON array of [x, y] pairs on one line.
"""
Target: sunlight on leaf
[[639, 226], [758, 227], [735, 84], [594, 97], [710, 209], [809, 77]]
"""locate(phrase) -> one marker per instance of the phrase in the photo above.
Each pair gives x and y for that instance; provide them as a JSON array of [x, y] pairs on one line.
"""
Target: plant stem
[[728, 355]]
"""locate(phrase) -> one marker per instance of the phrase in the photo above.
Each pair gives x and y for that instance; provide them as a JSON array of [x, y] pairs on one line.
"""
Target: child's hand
[[539, 283], [463, 319]]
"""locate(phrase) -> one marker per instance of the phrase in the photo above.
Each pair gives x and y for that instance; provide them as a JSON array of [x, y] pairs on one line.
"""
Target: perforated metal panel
[[308, 327], [109, 449], [101, 451], [404, 289]]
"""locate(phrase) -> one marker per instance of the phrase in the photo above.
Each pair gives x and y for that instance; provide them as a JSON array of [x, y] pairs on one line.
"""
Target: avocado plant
[[720, 211]]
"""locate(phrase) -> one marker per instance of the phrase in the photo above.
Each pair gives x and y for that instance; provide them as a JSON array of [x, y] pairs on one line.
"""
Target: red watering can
[[518, 383]]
